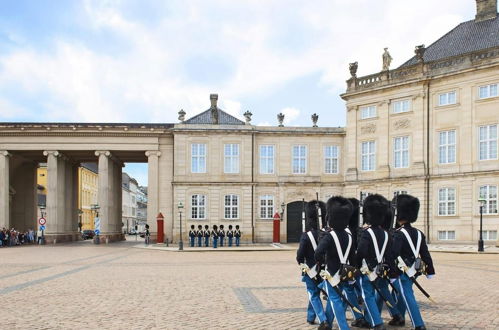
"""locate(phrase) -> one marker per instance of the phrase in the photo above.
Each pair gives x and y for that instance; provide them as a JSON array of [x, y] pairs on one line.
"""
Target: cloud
[[264, 123], [290, 114]]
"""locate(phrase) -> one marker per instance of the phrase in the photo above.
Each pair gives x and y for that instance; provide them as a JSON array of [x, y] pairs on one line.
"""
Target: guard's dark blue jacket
[[305, 253], [326, 251], [365, 249], [401, 247]]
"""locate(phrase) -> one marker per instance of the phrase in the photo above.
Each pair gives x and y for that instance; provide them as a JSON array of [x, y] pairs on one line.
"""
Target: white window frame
[[447, 98], [231, 158], [231, 207], [301, 160], [267, 160], [489, 194], [399, 153], [446, 235], [488, 91], [368, 159], [446, 199], [447, 148], [198, 157], [331, 159], [266, 208], [367, 112], [401, 106], [486, 235], [198, 206], [488, 143]]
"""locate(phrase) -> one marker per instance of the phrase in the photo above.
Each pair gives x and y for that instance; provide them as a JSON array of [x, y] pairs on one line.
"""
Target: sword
[[326, 276], [411, 274], [393, 287], [427, 295], [319, 212], [372, 277]]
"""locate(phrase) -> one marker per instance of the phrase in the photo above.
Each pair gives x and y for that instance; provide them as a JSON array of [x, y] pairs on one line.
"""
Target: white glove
[[429, 276], [351, 282], [392, 280]]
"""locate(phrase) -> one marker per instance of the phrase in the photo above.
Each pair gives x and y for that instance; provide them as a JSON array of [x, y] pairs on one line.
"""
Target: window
[[447, 201], [368, 112], [198, 207], [299, 159], [331, 159], [368, 155], [231, 206], [488, 235], [401, 106], [447, 147], [267, 159], [198, 158], [488, 142], [489, 194], [487, 91], [231, 158], [446, 235], [266, 207], [401, 152], [447, 98]]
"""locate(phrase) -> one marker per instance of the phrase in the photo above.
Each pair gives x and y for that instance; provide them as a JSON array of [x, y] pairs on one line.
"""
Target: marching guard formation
[[218, 236], [363, 265]]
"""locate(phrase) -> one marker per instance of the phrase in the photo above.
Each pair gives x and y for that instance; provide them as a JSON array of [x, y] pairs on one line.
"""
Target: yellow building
[[87, 194]]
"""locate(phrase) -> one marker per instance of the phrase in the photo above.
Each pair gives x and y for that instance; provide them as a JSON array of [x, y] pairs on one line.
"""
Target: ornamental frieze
[[368, 129], [402, 123]]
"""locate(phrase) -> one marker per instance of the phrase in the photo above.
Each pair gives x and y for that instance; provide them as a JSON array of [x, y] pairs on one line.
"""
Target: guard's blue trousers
[[382, 284], [350, 293], [406, 293], [215, 242], [238, 239], [230, 241], [192, 241], [200, 239], [207, 241], [336, 305], [221, 240], [373, 313], [315, 307]]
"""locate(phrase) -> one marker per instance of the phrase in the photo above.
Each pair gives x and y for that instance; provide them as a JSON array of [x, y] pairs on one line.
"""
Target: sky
[[144, 60]]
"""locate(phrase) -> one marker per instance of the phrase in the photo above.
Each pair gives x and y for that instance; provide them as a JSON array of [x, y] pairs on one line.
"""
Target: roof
[[465, 38], [223, 118]]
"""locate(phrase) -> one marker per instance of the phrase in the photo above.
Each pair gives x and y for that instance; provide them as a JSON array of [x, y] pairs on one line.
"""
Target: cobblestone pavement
[[81, 285]]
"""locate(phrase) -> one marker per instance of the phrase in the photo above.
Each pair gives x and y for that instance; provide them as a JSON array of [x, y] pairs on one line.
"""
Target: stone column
[[118, 195], [23, 206], [4, 189], [56, 195], [153, 190]]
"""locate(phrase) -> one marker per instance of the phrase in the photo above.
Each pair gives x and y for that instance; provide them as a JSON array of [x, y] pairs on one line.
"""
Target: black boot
[[380, 327], [361, 323], [311, 322], [397, 321], [420, 328], [324, 326]]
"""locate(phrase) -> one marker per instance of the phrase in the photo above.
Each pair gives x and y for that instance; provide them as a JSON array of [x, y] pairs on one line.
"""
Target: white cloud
[[264, 123], [290, 114]]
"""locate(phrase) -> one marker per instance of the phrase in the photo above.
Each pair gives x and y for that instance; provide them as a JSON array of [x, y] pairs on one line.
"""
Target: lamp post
[[42, 214], [180, 206], [95, 209], [80, 224], [283, 206], [480, 239]]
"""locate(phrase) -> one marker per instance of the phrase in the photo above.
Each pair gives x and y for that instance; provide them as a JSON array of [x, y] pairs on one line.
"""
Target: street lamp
[[95, 209], [180, 206], [42, 213], [480, 239]]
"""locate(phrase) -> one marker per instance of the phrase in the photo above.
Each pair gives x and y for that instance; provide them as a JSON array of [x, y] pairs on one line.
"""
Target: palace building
[[428, 128]]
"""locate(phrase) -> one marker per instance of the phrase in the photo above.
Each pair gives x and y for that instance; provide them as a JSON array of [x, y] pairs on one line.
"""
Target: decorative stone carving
[[402, 123], [420, 53], [387, 60], [368, 129], [353, 68], [181, 115], [315, 118], [280, 119], [247, 116]]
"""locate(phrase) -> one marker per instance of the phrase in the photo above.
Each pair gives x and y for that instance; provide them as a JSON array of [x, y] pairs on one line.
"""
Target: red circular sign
[[42, 221]]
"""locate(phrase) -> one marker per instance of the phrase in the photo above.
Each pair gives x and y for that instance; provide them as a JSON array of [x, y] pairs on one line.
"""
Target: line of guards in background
[[356, 266], [203, 236]]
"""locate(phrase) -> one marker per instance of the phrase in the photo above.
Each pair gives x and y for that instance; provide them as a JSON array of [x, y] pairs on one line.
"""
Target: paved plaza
[[81, 285]]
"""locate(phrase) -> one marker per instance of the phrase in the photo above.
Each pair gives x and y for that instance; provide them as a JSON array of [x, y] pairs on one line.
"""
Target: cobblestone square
[[118, 286]]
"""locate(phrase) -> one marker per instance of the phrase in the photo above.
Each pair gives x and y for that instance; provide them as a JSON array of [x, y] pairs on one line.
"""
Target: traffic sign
[[97, 232], [42, 227], [42, 221]]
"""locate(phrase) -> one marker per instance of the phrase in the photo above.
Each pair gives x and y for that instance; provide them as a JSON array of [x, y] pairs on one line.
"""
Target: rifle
[[394, 209], [303, 215], [319, 212]]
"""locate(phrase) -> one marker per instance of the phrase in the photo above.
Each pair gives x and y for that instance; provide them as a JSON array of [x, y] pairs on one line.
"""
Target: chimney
[[485, 9], [213, 100]]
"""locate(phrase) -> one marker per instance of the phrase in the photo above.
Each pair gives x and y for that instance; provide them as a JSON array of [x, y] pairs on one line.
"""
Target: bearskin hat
[[375, 209], [230, 226], [215, 227], [311, 214], [407, 207], [192, 226], [388, 222], [206, 227], [339, 211], [354, 219], [200, 227]]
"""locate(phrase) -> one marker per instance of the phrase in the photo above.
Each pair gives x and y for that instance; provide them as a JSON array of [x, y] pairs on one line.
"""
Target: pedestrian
[[214, 233], [199, 235], [39, 236], [230, 235], [192, 236], [147, 235], [221, 235], [237, 235], [206, 234]]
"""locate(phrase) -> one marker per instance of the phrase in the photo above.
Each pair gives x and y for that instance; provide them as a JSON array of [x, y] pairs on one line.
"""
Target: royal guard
[[199, 234], [221, 235], [230, 235], [192, 236], [237, 235], [214, 234], [306, 259], [206, 235], [412, 257]]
